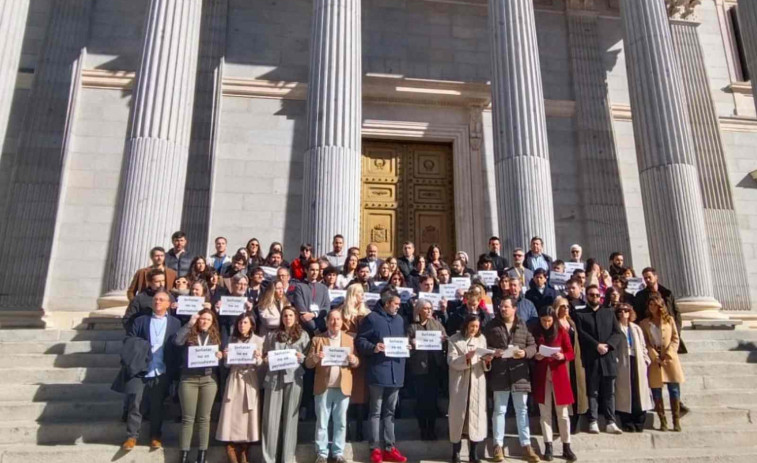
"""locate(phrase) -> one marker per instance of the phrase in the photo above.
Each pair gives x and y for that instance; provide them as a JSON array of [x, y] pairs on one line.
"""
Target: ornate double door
[[407, 196]]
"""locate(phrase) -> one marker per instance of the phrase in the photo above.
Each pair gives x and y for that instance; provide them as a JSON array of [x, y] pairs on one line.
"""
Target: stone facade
[[249, 129]]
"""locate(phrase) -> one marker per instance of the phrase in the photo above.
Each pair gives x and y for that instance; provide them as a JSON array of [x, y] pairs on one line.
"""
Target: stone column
[[156, 152], [12, 27], [748, 23], [664, 147], [521, 152], [331, 176], [729, 272], [602, 193]]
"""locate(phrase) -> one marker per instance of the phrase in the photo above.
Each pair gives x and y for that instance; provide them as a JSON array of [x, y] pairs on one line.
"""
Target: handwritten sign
[[571, 267], [232, 305], [335, 356], [448, 291], [462, 282], [190, 305], [405, 294], [489, 277], [241, 353], [202, 356], [433, 298], [282, 359], [396, 347], [557, 278], [428, 340]]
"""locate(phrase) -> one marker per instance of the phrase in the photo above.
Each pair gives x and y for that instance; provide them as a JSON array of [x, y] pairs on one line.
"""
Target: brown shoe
[[232, 453], [242, 452], [155, 444], [129, 444], [498, 454], [529, 455]]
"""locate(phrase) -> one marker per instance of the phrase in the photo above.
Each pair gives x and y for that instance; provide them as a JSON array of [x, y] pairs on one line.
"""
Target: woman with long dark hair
[[434, 260], [198, 270], [254, 254], [349, 270], [198, 386], [283, 390]]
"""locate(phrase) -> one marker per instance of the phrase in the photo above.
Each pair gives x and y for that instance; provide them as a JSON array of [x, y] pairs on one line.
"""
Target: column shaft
[[603, 202], [156, 153], [748, 28], [670, 186], [331, 183], [521, 152], [12, 27]]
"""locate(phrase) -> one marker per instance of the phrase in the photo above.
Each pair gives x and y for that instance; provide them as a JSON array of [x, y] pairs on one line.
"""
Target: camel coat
[[467, 390], [240, 409], [640, 359], [321, 381], [658, 374]]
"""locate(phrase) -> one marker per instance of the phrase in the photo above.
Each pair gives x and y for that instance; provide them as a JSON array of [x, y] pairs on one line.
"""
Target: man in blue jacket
[[385, 375], [159, 329], [540, 293]]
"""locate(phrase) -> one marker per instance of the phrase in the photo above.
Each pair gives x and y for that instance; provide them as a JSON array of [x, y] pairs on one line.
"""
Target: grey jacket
[[274, 378]]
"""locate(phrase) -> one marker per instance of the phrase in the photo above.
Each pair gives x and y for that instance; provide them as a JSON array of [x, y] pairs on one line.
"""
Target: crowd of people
[[346, 337]]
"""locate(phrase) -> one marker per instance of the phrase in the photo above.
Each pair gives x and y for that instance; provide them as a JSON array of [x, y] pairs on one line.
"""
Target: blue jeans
[[332, 403], [520, 402], [674, 391]]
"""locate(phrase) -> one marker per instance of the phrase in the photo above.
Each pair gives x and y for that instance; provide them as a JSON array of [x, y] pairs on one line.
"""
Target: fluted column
[[664, 147], [521, 152], [602, 193], [729, 272], [748, 29], [12, 26], [331, 183], [157, 149], [29, 224]]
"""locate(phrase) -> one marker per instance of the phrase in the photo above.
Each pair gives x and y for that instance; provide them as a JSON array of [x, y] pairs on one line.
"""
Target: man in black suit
[[311, 299], [371, 259], [406, 263], [600, 336], [159, 329], [500, 263]]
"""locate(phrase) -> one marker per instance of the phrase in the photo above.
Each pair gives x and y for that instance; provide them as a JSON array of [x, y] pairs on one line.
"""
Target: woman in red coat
[[551, 380]]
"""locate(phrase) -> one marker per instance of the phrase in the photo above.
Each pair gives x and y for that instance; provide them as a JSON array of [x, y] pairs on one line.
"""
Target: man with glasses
[[576, 252], [600, 336], [500, 263], [518, 270]]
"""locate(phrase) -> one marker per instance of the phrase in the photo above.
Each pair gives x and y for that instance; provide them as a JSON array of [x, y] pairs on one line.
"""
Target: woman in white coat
[[467, 388], [632, 394]]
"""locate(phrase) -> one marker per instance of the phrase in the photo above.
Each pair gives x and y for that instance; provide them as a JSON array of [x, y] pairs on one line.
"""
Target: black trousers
[[148, 397], [637, 417], [426, 393], [601, 392]]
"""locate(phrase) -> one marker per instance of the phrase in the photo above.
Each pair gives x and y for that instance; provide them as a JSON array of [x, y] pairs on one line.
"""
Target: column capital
[[682, 9]]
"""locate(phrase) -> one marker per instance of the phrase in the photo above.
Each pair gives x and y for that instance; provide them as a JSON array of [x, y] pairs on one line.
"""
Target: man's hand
[[602, 349], [307, 316]]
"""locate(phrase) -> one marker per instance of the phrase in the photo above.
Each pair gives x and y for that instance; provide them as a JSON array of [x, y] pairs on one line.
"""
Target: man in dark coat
[[311, 299], [384, 375], [600, 336], [642, 298], [159, 329], [539, 292], [372, 259], [142, 302], [535, 258], [178, 258], [406, 263], [495, 246]]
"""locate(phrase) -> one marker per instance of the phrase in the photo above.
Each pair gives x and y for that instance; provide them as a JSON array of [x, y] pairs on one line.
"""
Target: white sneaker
[[612, 428], [593, 428]]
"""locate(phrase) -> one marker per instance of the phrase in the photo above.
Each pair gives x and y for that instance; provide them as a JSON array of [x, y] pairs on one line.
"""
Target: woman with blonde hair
[[270, 306], [353, 311], [575, 367], [661, 336]]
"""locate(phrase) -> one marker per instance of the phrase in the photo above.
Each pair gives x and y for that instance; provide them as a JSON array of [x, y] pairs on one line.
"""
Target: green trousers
[[197, 394]]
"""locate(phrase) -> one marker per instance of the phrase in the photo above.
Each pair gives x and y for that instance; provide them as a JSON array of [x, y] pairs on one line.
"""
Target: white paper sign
[[270, 272], [433, 298], [635, 285], [335, 356], [489, 277], [396, 347], [379, 285], [232, 305], [547, 351], [428, 340], [241, 353], [189, 305], [482, 351], [405, 294], [462, 282], [282, 359], [557, 278], [202, 356], [337, 296], [449, 291], [371, 299], [571, 267]]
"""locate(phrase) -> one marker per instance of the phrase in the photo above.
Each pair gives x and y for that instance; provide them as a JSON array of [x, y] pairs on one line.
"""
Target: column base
[[112, 299], [700, 308]]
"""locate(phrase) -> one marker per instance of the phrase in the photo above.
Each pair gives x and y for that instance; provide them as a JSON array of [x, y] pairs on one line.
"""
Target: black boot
[[456, 452], [472, 453], [432, 429], [548, 455], [201, 456], [423, 427], [183, 456], [567, 453]]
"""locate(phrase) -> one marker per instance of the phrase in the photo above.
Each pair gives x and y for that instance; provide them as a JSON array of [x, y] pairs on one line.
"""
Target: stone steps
[[77, 360], [57, 375], [57, 392], [61, 347]]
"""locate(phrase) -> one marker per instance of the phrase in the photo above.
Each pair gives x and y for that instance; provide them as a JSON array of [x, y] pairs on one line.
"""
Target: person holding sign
[[467, 388], [226, 304], [198, 385], [385, 375], [551, 380], [283, 389], [331, 354], [239, 422], [426, 367], [510, 375]]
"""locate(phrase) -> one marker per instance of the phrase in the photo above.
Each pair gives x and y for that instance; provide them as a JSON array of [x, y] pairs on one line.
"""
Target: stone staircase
[[56, 406]]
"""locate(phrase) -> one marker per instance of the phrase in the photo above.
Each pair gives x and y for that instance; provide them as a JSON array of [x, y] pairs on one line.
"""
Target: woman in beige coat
[[662, 339], [239, 423], [467, 388], [632, 395]]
